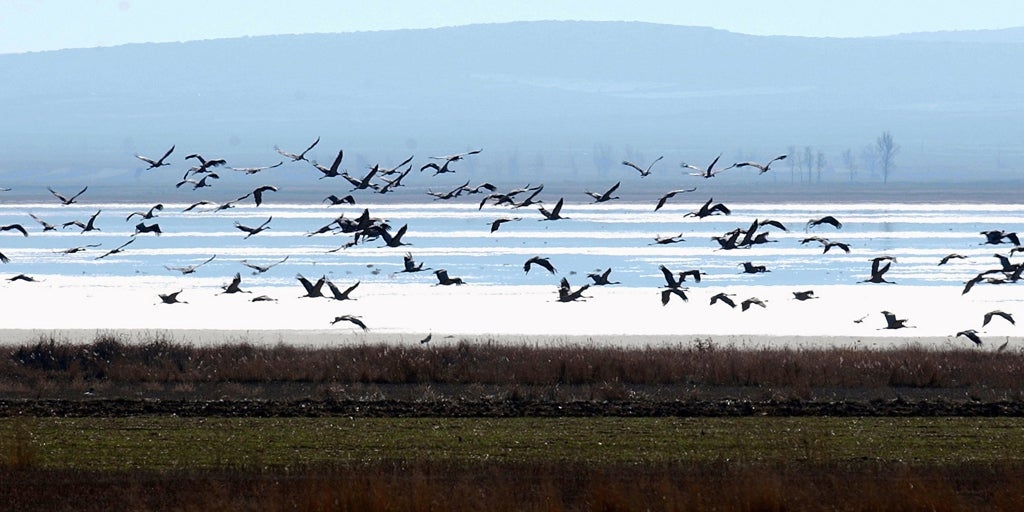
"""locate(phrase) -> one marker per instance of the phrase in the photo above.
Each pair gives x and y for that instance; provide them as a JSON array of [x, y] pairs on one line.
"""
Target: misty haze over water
[[551, 102]]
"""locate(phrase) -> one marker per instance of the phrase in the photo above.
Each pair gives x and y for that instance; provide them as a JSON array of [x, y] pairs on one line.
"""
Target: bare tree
[[886, 152], [819, 164], [602, 157], [808, 161], [869, 157], [849, 162], [794, 162]]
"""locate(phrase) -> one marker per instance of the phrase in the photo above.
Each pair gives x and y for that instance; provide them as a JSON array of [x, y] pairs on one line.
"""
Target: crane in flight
[[761, 167], [710, 172], [64, 199], [259, 269], [153, 164], [643, 172], [300, 156], [358, 321], [190, 269]]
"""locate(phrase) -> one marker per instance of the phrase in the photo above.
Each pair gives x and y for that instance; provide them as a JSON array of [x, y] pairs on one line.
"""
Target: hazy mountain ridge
[[520, 89]]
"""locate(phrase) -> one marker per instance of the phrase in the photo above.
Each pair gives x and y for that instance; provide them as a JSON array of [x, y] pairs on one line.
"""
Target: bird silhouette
[[970, 334], [171, 298], [444, 279], [410, 265], [602, 278], [456, 157], [567, 294], [537, 260], [709, 172], [257, 193], [724, 298], [606, 195], [945, 259], [644, 172], [259, 269], [312, 290], [498, 222], [332, 171], [828, 219], [254, 230], [361, 183], [116, 250], [78, 249], [804, 295], [335, 200], [200, 183], [337, 294], [143, 228], [763, 168], [146, 215], [67, 200], [996, 237], [190, 269], [664, 240], [670, 194], [555, 213], [87, 226], [156, 163], [891, 322], [300, 156], [750, 268], [396, 239], [15, 227], [1002, 314], [351, 319], [204, 164], [667, 294], [878, 271], [708, 209], [46, 225], [745, 305], [254, 170], [235, 285]]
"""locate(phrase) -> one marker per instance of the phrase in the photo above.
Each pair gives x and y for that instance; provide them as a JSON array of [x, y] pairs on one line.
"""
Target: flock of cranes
[[384, 179]]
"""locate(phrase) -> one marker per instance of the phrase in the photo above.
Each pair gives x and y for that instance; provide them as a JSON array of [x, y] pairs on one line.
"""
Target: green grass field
[[163, 443]]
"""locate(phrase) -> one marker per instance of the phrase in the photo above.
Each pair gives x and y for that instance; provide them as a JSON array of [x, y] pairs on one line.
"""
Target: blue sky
[[35, 25]]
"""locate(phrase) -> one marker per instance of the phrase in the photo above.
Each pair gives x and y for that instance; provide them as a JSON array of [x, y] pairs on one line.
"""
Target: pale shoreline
[[332, 339], [77, 308]]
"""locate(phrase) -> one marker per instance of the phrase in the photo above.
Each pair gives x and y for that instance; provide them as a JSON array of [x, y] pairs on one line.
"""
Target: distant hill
[[552, 99], [1013, 35]]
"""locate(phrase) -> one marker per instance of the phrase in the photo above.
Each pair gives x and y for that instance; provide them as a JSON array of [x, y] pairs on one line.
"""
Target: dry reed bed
[[48, 367], [425, 486]]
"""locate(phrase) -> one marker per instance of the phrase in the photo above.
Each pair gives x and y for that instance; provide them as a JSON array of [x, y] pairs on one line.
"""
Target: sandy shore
[[77, 308]]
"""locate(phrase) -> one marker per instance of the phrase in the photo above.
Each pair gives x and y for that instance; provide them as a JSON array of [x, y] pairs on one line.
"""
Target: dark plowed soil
[[503, 408]]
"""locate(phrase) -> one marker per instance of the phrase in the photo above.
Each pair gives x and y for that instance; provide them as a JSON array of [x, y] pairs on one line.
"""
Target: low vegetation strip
[[463, 408], [368, 464], [170, 443], [116, 368]]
